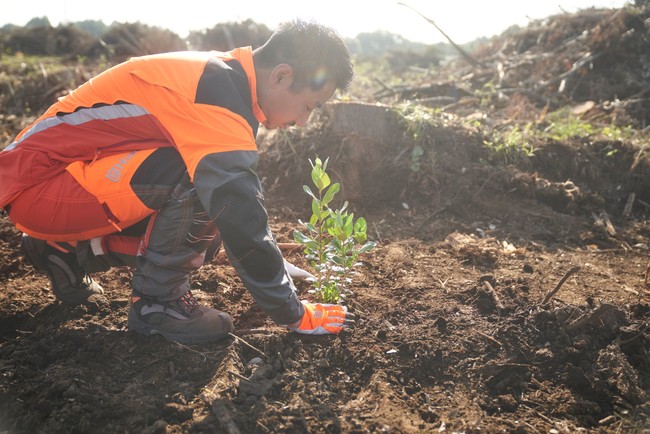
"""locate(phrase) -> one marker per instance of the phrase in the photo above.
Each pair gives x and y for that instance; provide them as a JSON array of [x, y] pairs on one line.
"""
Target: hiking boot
[[70, 283], [183, 320]]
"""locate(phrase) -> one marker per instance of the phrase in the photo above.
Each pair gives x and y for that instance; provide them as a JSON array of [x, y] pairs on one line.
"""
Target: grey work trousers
[[176, 240]]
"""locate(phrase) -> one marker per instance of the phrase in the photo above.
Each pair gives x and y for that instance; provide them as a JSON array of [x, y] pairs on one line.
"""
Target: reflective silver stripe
[[159, 308], [96, 246], [65, 268], [82, 116]]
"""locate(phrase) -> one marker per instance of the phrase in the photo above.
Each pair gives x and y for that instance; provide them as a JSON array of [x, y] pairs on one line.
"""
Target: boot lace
[[188, 302]]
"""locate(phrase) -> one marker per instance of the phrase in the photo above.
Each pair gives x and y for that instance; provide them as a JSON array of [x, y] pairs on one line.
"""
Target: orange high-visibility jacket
[[202, 103]]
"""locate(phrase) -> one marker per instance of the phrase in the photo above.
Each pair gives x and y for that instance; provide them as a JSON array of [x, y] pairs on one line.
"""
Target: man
[[151, 164]]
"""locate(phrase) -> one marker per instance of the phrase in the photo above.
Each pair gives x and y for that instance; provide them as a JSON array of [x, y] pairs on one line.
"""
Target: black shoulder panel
[[225, 84]]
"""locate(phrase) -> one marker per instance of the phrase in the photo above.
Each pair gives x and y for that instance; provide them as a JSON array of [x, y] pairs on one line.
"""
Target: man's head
[[298, 69]]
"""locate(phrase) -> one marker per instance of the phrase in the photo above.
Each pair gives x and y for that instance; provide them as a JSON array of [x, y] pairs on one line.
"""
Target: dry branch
[[490, 338], [463, 53], [608, 224], [603, 221], [257, 331], [627, 210], [495, 297], [560, 283], [637, 157], [257, 350], [587, 58], [288, 248]]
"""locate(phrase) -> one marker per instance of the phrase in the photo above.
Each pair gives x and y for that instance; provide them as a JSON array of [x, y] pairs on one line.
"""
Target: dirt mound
[[595, 56], [373, 153]]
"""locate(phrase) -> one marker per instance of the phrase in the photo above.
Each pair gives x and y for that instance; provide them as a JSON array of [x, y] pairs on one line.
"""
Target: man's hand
[[321, 319], [298, 273]]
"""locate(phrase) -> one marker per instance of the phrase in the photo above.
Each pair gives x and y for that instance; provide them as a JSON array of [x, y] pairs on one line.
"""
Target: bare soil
[[453, 335]]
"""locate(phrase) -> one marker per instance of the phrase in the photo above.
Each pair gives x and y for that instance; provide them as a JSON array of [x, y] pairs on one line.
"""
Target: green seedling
[[334, 239]]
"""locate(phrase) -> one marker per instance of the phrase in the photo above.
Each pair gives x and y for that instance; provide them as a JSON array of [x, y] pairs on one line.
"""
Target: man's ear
[[282, 75]]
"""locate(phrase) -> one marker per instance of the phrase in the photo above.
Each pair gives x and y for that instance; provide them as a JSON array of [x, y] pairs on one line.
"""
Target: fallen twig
[[490, 338], [248, 345], [257, 331], [635, 337], [560, 283], [539, 414], [609, 227], [289, 247], [386, 90], [627, 210], [587, 58], [630, 290], [637, 157], [236, 374], [495, 297], [356, 307]]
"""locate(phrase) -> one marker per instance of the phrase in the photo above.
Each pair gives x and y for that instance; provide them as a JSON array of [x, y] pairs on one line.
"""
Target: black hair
[[316, 53]]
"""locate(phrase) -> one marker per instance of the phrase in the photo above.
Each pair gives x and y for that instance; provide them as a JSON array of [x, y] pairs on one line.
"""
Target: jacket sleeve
[[230, 191]]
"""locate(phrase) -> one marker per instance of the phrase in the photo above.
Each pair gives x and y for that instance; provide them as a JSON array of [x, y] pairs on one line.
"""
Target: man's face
[[285, 107]]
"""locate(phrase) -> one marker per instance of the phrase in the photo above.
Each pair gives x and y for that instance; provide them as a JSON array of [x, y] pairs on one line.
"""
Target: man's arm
[[230, 191]]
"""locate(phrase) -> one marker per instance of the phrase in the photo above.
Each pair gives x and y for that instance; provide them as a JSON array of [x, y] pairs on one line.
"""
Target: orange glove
[[322, 319]]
